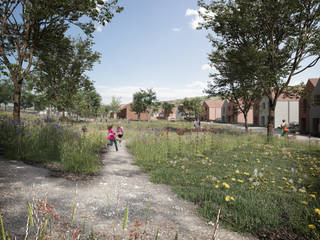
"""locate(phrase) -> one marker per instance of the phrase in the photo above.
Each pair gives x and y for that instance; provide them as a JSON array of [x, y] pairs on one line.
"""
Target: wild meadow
[[64, 145], [263, 186]]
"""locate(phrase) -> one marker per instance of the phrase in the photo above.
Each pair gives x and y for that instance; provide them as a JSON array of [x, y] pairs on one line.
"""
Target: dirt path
[[102, 200]]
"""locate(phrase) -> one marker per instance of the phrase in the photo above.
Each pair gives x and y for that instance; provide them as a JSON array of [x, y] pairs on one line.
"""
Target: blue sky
[[153, 44]]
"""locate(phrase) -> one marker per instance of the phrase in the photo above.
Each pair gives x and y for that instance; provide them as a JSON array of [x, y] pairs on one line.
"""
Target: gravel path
[[102, 200]]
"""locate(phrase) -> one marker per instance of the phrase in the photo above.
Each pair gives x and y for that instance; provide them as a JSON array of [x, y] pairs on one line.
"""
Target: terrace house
[[212, 110], [287, 108], [305, 106], [315, 111]]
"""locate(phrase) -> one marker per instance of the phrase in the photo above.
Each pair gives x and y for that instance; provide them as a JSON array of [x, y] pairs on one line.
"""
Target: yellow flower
[[232, 198], [317, 210], [311, 226], [227, 198], [233, 179], [237, 171], [245, 173], [240, 181], [226, 185], [313, 195], [284, 179], [217, 185], [273, 182], [304, 202]]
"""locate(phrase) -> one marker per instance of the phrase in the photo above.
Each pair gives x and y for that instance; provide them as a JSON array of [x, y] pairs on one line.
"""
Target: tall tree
[[27, 26], [60, 71], [115, 105], [191, 108], [236, 79], [285, 32], [144, 101], [167, 109]]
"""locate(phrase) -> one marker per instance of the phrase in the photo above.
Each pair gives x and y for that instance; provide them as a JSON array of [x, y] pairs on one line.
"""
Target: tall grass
[[39, 142], [260, 186]]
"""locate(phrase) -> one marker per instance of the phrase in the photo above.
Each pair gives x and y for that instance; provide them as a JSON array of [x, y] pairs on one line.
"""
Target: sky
[[155, 44]]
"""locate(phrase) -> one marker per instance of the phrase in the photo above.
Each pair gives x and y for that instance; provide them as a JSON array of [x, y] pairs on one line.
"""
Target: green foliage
[[60, 75], [50, 142], [115, 105], [280, 34], [6, 92], [191, 107], [144, 101], [29, 27], [260, 187], [167, 109]]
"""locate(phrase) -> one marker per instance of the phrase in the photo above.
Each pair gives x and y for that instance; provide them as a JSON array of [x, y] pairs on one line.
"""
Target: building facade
[[314, 121], [212, 110]]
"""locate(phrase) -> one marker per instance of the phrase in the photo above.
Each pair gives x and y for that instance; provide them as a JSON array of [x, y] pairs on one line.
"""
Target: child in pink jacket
[[112, 137]]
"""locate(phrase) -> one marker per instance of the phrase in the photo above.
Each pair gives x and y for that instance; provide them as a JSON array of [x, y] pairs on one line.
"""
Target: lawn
[[261, 186]]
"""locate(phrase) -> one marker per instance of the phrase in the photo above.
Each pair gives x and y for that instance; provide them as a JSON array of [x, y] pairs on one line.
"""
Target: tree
[[144, 101], [236, 79], [167, 109], [115, 105], [191, 108], [285, 32], [87, 103], [60, 71], [27, 26], [6, 92]]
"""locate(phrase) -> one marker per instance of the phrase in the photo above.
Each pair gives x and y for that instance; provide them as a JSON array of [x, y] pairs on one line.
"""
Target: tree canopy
[[283, 32], [27, 26]]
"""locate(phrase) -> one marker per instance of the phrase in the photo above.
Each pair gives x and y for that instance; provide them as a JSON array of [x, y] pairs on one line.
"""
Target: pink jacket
[[111, 135]]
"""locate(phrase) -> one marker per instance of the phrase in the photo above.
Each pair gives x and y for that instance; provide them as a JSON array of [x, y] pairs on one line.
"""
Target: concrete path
[[102, 200]]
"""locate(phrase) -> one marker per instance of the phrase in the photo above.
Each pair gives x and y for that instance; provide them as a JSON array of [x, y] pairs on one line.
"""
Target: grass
[[36, 141], [260, 186]]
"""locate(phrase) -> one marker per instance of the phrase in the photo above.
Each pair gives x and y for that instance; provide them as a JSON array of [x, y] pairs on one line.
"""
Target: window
[[316, 100]]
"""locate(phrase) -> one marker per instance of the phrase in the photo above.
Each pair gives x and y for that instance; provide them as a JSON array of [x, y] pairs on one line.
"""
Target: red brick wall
[[304, 109]]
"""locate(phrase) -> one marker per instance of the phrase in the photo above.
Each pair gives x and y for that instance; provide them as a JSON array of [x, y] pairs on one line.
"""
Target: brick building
[[305, 106], [212, 110]]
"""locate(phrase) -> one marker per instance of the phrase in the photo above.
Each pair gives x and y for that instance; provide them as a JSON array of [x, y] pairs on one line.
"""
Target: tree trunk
[[17, 100], [138, 116], [115, 115], [270, 127], [246, 122]]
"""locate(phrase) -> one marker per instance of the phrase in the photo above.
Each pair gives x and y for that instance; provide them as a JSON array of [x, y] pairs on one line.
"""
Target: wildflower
[[311, 226], [217, 185], [304, 202], [284, 179], [240, 181], [317, 210], [226, 185], [313, 195], [246, 173], [232, 198], [227, 198], [237, 171], [233, 179]]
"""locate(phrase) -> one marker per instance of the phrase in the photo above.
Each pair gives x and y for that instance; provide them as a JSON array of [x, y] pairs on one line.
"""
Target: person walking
[[284, 128], [120, 133], [112, 137]]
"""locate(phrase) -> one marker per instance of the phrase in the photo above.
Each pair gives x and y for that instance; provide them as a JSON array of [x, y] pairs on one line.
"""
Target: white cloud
[[176, 29], [99, 28], [197, 20], [205, 67], [194, 89]]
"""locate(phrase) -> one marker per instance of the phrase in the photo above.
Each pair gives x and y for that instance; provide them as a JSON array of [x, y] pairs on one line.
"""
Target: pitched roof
[[214, 104], [313, 81]]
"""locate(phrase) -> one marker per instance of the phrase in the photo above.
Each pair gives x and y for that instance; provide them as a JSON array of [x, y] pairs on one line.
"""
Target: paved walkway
[[102, 200]]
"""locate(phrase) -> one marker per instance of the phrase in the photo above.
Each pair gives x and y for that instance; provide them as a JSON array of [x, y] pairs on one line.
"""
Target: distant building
[[287, 108], [175, 115], [230, 113], [315, 111], [305, 106], [127, 113], [212, 110]]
